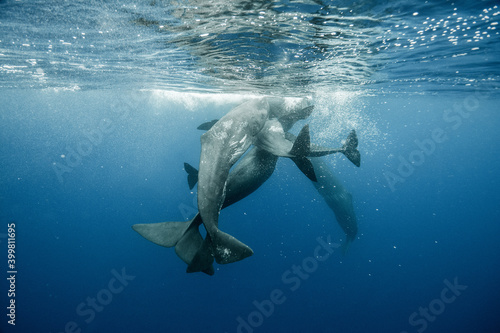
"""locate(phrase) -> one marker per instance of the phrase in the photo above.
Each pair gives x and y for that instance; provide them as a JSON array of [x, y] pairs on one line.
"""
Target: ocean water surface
[[100, 104]]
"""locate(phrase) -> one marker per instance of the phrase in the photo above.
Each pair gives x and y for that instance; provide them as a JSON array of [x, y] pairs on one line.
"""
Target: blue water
[[100, 104]]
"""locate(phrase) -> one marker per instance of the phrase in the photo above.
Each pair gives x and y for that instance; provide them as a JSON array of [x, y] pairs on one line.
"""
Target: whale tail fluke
[[203, 259], [189, 245], [185, 236], [192, 175], [350, 149], [165, 234], [227, 249], [346, 244]]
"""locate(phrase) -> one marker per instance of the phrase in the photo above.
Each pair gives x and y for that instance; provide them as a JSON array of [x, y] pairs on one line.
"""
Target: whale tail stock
[[349, 149], [302, 149], [223, 247], [185, 236]]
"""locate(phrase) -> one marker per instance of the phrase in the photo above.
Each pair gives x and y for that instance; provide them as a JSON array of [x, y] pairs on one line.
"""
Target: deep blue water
[[94, 134]]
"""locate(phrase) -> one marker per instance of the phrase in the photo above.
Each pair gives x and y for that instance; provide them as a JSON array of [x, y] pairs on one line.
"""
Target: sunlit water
[[100, 101], [258, 46]]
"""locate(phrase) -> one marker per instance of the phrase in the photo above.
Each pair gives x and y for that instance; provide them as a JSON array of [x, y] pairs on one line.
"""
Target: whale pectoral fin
[[305, 165], [208, 125], [350, 149], [227, 249], [203, 259], [166, 234], [192, 175]]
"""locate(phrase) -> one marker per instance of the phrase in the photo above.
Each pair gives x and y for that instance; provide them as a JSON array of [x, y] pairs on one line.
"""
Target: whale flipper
[[192, 175], [208, 125], [274, 141]]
